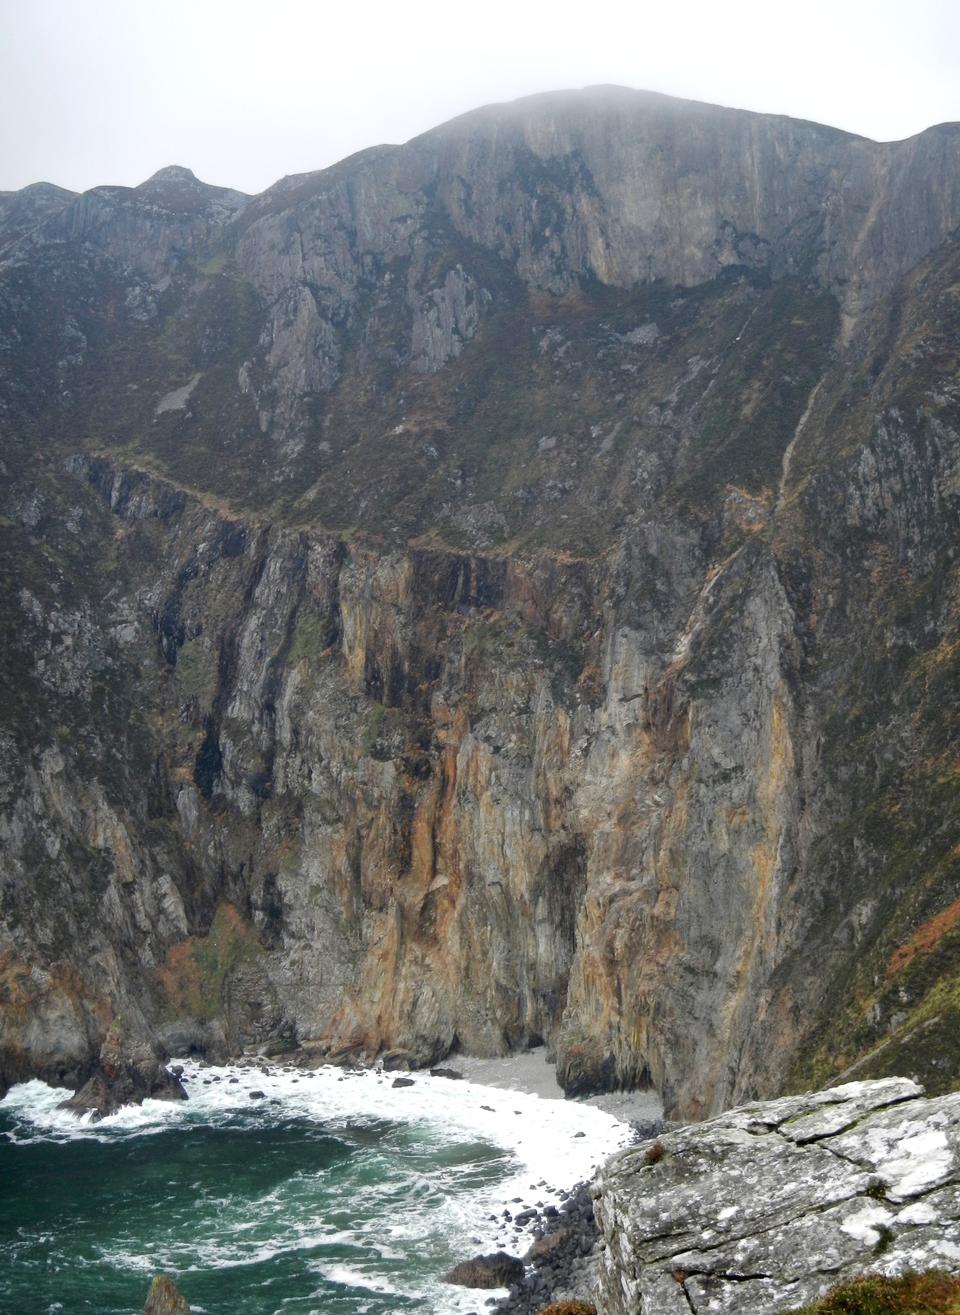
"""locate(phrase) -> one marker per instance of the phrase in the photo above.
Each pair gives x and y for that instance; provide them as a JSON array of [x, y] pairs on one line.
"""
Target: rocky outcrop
[[164, 1298], [561, 1261], [767, 1207], [498, 589], [151, 228], [128, 1072], [27, 209], [497, 1270]]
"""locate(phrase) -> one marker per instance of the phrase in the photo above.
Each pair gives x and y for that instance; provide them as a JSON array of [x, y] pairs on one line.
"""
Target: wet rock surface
[[101, 1095], [561, 1259], [129, 1070], [498, 1270], [763, 1209], [164, 1298]]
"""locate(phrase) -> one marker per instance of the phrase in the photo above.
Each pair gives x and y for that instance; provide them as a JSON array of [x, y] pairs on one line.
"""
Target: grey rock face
[[766, 1207], [445, 320], [24, 210], [148, 229], [498, 589]]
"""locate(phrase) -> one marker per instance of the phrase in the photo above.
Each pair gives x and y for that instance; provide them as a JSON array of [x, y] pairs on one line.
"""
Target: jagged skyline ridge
[[109, 93]]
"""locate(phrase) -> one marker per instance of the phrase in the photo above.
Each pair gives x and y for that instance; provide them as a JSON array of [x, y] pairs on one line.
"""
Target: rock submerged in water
[[164, 1298], [497, 1270], [102, 1094]]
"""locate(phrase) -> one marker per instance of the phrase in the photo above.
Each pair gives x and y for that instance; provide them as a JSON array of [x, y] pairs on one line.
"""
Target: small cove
[[332, 1192]]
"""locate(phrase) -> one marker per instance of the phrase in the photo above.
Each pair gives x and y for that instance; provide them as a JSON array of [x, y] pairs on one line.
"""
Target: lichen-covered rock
[[763, 1208]]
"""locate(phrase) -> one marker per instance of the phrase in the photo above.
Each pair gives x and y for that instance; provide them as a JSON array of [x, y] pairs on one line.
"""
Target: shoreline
[[551, 1228], [541, 1213], [530, 1072], [559, 1244]]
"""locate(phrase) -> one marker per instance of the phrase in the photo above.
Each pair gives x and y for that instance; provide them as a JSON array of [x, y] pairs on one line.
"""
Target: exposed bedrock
[[499, 588], [164, 1298], [429, 800], [764, 1209]]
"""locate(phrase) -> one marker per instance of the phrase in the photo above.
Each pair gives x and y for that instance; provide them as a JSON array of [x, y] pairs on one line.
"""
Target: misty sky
[[108, 91]]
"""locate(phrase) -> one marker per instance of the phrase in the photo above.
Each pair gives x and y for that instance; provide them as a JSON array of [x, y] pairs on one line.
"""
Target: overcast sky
[[108, 91]]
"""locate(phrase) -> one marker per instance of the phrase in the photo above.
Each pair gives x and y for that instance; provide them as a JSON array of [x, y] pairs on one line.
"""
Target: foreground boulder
[[494, 1271], [765, 1208], [164, 1298]]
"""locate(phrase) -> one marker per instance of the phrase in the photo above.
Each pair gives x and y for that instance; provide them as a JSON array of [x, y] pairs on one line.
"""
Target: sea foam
[[533, 1149]]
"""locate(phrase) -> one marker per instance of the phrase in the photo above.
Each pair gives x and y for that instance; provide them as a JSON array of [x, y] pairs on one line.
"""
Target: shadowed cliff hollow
[[501, 587]]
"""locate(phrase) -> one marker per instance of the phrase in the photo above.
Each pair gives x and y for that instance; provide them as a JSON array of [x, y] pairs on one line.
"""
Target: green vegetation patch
[[761, 384], [501, 642], [195, 971], [384, 732], [494, 639], [196, 670], [889, 749], [309, 639], [930, 1293]]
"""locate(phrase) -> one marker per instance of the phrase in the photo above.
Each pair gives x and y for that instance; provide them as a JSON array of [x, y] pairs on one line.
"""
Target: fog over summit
[[101, 92], [495, 593]]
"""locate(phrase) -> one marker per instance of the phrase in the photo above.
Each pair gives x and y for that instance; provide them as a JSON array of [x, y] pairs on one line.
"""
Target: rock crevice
[[761, 1218]]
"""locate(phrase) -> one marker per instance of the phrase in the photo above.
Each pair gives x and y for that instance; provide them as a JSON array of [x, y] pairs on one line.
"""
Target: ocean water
[[337, 1194]]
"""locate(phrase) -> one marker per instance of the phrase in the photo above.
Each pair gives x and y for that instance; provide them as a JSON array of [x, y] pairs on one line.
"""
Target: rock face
[[498, 589], [765, 1208]]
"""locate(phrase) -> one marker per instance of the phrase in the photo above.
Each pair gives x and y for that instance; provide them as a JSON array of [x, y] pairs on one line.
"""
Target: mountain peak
[[172, 173], [177, 188]]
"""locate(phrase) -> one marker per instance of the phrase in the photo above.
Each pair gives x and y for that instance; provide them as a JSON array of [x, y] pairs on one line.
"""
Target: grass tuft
[[930, 1293]]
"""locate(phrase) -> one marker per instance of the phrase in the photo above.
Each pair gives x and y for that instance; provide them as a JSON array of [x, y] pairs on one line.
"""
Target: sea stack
[[164, 1298]]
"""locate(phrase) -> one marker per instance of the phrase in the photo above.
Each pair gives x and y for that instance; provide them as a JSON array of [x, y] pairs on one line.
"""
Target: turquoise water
[[261, 1216], [332, 1195]]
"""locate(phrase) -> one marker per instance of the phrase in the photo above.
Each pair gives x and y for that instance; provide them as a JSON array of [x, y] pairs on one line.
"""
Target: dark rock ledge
[[765, 1208], [559, 1263], [497, 1270]]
